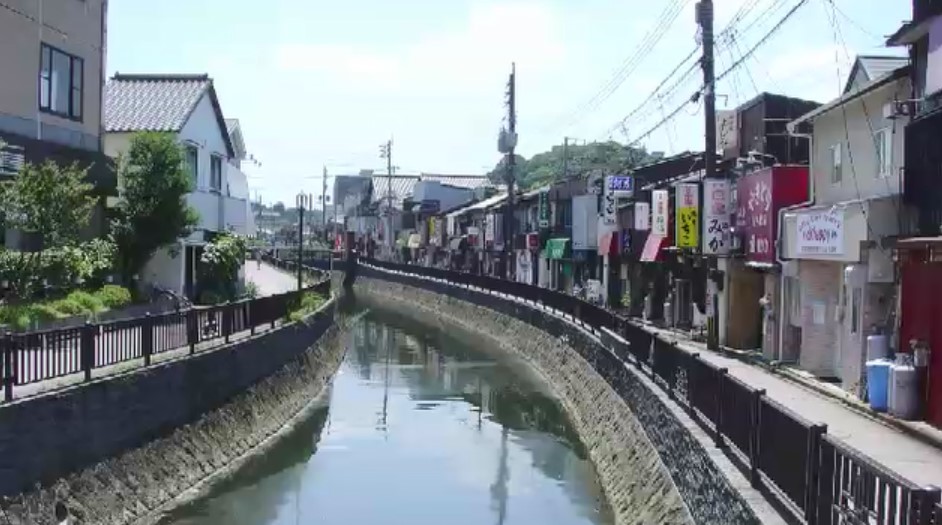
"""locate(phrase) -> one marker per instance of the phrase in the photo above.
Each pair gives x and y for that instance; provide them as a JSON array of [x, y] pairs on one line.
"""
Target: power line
[[762, 40], [630, 64]]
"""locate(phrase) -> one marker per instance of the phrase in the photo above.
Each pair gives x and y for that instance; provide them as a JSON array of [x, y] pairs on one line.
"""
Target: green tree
[[152, 212], [51, 202], [575, 160]]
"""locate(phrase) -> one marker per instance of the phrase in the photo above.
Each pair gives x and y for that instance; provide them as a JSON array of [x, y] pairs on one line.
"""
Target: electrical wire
[[666, 19]]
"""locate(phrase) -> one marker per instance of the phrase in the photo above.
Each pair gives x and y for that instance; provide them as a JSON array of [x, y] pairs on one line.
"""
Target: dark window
[[192, 162], [61, 83], [215, 172]]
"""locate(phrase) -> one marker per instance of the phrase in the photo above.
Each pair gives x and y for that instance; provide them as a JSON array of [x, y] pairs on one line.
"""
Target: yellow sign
[[687, 227]]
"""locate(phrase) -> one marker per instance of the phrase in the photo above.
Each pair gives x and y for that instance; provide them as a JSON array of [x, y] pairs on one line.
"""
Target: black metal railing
[[818, 478], [33, 357]]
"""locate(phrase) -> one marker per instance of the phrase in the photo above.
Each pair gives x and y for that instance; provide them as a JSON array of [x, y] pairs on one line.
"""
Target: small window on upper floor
[[837, 166], [61, 83], [883, 144], [191, 159], [215, 173]]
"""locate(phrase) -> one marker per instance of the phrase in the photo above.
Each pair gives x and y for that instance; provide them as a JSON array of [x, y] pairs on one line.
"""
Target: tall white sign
[[716, 217], [642, 216], [659, 201], [609, 211]]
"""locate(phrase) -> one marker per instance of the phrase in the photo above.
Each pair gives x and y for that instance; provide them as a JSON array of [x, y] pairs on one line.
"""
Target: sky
[[323, 83]]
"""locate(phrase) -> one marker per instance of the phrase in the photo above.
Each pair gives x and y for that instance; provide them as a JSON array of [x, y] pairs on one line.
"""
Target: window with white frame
[[215, 173], [883, 144], [837, 167], [61, 83], [191, 159]]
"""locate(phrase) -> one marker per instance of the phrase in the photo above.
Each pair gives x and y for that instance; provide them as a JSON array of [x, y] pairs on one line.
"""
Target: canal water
[[419, 427]]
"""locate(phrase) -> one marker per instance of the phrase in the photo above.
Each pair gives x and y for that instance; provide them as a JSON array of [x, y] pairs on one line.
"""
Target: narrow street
[[268, 279]]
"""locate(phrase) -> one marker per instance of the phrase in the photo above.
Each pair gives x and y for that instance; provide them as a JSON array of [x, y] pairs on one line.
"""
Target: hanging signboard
[[642, 216], [620, 185], [716, 217], [609, 211], [821, 232], [659, 199], [687, 211], [543, 211]]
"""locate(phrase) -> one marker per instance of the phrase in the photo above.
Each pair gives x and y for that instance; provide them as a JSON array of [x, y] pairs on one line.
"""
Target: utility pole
[[705, 20], [511, 171], [565, 158], [385, 152], [302, 199], [324, 209]]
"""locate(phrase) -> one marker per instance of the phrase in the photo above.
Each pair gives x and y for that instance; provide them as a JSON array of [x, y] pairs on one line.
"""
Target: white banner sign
[[821, 232], [659, 201], [716, 217], [642, 216]]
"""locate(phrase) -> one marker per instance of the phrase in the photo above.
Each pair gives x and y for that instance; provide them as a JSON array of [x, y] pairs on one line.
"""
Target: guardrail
[[32, 357], [817, 477]]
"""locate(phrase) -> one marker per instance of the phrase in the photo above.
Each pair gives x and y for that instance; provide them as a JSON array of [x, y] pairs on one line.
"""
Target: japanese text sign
[[755, 216], [659, 200], [716, 216], [821, 232], [609, 211], [642, 216], [688, 212], [620, 185]]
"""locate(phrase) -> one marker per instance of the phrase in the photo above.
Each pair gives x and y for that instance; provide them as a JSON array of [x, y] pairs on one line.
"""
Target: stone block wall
[[116, 449], [652, 469]]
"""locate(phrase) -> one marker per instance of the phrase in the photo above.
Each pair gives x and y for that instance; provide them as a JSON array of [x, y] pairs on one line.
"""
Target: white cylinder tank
[[903, 398], [877, 347]]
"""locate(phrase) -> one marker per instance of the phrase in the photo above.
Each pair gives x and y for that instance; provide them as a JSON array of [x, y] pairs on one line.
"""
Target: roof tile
[[151, 102]]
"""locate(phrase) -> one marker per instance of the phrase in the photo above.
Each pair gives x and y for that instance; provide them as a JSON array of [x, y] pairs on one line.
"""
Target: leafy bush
[[68, 307], [91, 303], [309, 303], [219, 266], [63, 268], [251, 290], [113, 296]]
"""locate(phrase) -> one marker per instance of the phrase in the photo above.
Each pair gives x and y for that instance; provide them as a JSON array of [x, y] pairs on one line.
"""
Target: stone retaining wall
[[651, 468], [116, 450]]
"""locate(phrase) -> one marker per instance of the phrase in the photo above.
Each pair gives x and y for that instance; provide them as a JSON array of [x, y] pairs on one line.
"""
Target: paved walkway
[[895, 449], [268, 279]]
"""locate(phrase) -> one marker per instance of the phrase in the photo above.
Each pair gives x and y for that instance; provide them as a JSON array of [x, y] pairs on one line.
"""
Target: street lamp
[[302, 200]]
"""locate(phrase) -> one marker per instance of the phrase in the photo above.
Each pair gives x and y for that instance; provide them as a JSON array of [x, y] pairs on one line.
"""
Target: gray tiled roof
[[877, 66], [151, 102], [231, 123], [403, 185]]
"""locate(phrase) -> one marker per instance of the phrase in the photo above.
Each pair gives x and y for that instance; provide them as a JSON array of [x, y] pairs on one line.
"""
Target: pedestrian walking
[[258, 259]]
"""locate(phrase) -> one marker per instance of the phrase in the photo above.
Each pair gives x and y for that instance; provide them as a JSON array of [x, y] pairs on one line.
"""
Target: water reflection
[[422, 427]]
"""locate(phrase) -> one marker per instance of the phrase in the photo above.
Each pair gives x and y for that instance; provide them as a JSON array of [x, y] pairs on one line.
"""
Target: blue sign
[[621, 185]]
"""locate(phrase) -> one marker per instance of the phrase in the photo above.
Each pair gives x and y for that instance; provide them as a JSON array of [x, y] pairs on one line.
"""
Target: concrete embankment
[[651, 468], [120, 449]]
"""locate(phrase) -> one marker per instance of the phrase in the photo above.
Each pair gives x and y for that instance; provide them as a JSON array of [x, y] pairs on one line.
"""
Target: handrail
[[33, 357], [820, 479]]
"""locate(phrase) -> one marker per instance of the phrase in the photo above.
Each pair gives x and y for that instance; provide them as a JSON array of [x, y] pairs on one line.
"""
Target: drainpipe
[[781, 222]]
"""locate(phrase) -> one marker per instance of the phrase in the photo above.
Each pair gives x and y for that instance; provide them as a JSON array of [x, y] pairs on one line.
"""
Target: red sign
[[759, 197]]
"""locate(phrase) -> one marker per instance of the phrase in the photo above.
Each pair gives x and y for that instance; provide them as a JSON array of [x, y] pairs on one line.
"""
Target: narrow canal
[[419, 427]]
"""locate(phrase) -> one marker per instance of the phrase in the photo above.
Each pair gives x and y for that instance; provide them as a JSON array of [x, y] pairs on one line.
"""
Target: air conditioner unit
[[891, 110]]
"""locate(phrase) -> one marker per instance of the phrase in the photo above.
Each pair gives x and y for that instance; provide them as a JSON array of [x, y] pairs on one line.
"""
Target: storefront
[[754, 300], [844, 281], [559, 255]]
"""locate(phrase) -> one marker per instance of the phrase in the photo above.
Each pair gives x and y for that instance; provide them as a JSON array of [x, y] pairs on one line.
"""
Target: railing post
[[690, 380], [926, 504], [812, 469], [192, 329], [147, 338], [8, 375], [87, 349], [754, 422], [721, 375], [227, 321], [250, 315]]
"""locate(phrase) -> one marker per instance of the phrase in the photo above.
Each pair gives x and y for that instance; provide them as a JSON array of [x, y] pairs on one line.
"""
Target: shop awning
[[608, 243], [556, 248], [415, 240], [652, 247]]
